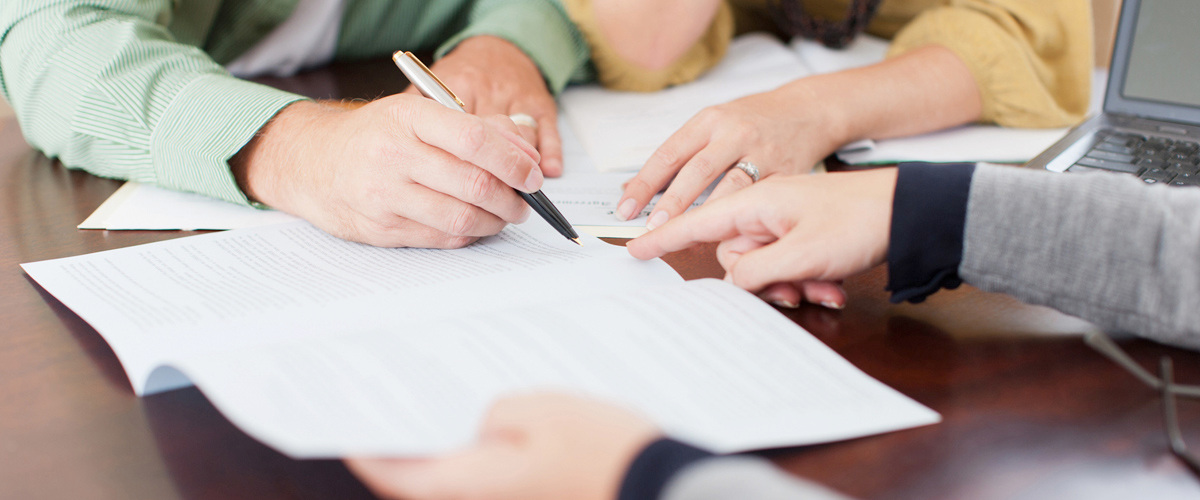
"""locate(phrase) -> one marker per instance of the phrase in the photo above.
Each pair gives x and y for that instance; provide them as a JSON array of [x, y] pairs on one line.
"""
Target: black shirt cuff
[[929, 212], [655, 466]]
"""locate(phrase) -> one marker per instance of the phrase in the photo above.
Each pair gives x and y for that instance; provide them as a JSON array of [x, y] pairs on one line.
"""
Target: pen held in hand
[[430, 86]]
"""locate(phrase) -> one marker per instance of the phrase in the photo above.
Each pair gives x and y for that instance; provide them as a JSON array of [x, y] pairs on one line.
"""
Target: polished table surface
[[1029, 411]]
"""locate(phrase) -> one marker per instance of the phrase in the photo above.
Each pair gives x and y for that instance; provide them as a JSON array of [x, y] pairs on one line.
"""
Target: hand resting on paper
[[399, 171], [789, 238], [531, 447], [790, 129]]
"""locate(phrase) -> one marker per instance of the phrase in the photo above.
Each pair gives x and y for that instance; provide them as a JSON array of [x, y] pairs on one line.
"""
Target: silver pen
[[430, 86]]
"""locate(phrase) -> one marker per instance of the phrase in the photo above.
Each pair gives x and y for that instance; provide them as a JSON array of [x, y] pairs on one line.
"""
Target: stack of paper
[[324, 348]]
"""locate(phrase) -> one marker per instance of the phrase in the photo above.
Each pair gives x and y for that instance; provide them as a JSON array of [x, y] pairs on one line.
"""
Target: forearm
[[1032, 61], [922, 91], [1105, 248], [653, 35], [101, 86]]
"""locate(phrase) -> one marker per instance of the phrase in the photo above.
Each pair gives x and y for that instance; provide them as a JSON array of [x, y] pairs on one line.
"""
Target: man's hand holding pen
[[399, 171]]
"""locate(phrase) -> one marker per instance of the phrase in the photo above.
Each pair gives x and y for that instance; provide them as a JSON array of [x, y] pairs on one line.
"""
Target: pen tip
[[577, 242]]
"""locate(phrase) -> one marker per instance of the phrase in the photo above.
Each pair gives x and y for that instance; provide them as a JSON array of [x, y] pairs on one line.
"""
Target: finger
[[826, 293], [732, 249], [529, 133], [550, 143], [662, 166], [385, 476], [776, 262], [513, 133], [451, 476], [445, 213], [734, 180], [473, 140], [785, 295], [692, 179], [473, 185], [396, 232], [715, 221]]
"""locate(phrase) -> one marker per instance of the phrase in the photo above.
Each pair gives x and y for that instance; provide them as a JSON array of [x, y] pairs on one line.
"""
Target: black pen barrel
[[542, 205]]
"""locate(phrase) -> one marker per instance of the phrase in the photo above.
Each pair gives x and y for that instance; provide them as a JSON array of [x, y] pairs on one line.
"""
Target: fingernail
[[657, 219], [625, 210], [833, 305], [785, 304], [534, 181]]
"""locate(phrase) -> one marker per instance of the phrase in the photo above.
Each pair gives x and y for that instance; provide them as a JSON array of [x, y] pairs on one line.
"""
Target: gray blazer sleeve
[[742, 478], [1105, 248]]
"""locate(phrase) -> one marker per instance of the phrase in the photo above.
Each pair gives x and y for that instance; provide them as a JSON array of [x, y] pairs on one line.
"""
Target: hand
[[530, 448], [492, 76], [784, 131], [788, 130], [790, 237], [399, 171]]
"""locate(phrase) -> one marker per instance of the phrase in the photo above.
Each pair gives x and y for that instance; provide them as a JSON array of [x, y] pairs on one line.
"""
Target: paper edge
[[99, 218], [626, 232]]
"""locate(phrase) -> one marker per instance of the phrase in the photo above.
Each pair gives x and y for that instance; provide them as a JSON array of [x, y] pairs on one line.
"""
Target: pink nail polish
[[625, 210], [657, 219]]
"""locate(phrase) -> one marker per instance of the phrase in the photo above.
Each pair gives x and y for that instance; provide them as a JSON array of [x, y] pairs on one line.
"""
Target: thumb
[[780, 261], [463, 474]]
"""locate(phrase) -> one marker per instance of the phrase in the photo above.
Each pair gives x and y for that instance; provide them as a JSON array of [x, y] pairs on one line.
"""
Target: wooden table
[[1029, 410]]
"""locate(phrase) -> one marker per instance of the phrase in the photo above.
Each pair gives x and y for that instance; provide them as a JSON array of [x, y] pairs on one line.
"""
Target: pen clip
[[435, 78]]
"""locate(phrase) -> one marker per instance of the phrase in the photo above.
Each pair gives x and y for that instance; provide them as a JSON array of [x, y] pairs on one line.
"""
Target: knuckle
[[462, 221], [665, 155], [703, 165], [671, 202], [711, 114], [473, 137], [744, 132], [511, 165], [457, 241], [480, 187], [639, 187]]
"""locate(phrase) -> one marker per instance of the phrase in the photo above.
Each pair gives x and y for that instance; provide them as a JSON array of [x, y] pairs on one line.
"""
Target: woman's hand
[[790, 238], [784, 131], [790, 129]]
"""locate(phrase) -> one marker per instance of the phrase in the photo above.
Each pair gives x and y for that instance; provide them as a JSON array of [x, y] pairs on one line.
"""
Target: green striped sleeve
[[104, 87], [540, 28]]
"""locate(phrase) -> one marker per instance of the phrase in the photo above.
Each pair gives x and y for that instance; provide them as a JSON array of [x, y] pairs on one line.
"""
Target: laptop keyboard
[[1156, 160]]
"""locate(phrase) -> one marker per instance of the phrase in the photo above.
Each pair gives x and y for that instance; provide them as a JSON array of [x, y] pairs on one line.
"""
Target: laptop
[[1150, 124]]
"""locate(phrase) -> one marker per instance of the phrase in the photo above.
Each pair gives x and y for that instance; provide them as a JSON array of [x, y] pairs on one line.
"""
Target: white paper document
[[324, 348], [137, 206], [588, 198]]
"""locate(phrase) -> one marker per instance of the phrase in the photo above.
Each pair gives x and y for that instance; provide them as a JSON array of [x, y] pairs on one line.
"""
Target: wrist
[[820, 100], [264, 165], [655, 465]]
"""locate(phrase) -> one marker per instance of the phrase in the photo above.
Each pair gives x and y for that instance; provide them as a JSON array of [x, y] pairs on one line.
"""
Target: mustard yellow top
[[1032, 60]]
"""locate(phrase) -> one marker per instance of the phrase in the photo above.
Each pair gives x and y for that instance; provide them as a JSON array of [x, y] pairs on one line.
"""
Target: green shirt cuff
[[540, 28], [205, 125]]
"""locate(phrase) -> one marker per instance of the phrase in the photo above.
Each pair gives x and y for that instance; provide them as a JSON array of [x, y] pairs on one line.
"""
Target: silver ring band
[[524, 119], [749, 168]]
